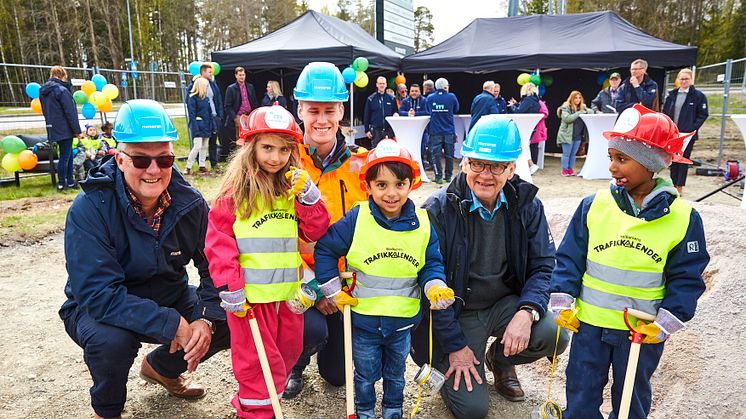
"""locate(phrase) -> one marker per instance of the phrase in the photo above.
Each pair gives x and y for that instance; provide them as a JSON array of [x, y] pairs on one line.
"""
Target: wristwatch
[[534, 314], [210, 324]]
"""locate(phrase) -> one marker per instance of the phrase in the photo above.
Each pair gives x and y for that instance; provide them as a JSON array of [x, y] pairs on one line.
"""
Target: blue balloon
[[32, 90], [601, 78], [194, 68], [88, 111], [99, 81], [348, 74], [542, 89]]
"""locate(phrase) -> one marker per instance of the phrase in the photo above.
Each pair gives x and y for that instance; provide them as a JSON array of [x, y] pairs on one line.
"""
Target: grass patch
[[21, 228]]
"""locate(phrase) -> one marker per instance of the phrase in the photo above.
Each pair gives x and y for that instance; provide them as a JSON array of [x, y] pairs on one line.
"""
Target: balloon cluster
[[17, 156], [32, 90], [195, 65], [356, 72], [95, 94], [540, 81]]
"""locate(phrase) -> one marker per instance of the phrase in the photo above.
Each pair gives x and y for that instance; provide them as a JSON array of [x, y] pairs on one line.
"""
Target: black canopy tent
[[573, 48]]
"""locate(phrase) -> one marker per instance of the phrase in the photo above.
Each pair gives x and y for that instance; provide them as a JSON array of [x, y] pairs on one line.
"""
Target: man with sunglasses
[[128, 238], [499, 254]]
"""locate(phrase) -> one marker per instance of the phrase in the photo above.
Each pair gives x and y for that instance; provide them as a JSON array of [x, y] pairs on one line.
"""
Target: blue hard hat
[[493, 139], [321, 82], [143, 121]]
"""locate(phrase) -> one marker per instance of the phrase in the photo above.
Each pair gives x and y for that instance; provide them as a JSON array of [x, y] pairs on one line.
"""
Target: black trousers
[[679, 171]]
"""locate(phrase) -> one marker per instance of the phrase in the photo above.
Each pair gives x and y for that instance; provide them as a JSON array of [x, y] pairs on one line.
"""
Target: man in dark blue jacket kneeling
[[128, 237], [499, 255]]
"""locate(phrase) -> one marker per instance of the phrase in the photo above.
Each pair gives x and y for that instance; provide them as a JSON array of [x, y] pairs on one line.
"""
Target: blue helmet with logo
[[493, 139], [321, 82], [143, 121]]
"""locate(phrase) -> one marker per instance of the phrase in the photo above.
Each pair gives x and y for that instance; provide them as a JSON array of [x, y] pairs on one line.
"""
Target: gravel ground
[[701, 375]]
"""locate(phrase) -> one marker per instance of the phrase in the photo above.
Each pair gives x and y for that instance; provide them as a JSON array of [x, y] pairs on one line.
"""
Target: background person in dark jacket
[[151, 225], [216, 106], [200, 124], [638, 88], [604, 101], [442, 105], [687, 107], [499, 255], [240, 99], [502, 105], [529, 100], [61, 117], [274, 94], [483, 103], [378, 106]]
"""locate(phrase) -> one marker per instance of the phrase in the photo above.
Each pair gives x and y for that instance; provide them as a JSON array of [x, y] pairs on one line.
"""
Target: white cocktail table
[[408, 132], [597, 157], [461, 123]]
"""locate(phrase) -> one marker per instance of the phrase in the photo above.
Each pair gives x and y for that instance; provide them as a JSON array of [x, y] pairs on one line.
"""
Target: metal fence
[[163, 86]]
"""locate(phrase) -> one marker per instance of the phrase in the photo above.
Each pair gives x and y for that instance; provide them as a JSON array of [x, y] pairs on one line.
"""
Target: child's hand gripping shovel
[[634, 355], [264, 362], [349, 386]]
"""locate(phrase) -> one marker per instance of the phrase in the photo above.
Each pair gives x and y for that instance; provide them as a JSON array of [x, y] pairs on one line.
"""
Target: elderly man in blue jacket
[[128, 237], [499, 255], [638, 88], [484, 103]]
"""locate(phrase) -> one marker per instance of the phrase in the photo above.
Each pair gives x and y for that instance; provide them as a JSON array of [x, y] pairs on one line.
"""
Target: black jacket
[[233, 101], [60, 113], [530, 250], [645, 93], [693, 113]]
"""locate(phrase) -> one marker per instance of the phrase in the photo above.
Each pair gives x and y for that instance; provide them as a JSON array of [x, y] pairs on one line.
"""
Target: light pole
[[132, 53]]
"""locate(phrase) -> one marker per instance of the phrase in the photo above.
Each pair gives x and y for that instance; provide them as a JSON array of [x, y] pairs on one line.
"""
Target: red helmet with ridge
[[652, 128], [268, 119], [390, 150]]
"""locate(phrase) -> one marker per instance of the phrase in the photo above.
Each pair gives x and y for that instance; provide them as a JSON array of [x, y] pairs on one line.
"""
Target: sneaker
[[439, 181], [571, 172], [533, 169], [565, 173], [60, 188]]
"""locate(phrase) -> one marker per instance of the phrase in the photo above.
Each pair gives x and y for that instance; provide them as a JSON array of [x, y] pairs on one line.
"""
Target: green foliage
[[423, 29]]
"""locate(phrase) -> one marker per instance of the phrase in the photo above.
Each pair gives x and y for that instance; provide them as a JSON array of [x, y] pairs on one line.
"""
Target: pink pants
[[282, 335]]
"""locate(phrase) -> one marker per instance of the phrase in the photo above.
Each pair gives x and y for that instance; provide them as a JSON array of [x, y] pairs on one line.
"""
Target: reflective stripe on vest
[[387, 263], [267, 243], [625, 260]]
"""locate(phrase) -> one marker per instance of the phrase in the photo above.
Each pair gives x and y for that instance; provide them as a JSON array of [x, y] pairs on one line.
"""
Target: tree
[[423, 29], [345, 12], [364, 16]]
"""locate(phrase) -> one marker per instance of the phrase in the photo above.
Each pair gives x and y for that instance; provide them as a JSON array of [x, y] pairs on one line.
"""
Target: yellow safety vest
[[386, 264], [268, 251], [626, 257]]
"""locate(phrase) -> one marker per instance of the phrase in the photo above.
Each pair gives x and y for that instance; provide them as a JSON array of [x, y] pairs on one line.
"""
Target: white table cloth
[[597, 157], [408, 131]]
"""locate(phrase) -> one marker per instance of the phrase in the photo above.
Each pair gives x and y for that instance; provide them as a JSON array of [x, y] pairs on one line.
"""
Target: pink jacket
[[220, 243], [540, 132]]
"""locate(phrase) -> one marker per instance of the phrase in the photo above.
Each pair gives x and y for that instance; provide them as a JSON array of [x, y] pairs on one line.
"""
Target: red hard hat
[[652, 128], [390, 150], [268, 119]]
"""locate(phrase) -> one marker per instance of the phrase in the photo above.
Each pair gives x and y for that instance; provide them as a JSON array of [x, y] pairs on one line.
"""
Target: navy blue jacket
[[529, 244], [200, 108], [338, 239], [419, 105], [233, 101], [693, 113], [60, 112], [502, 105], [124, 274], [442, 105], [684, 267], [377, 107], [217, 97], [528, 104], [483, 104], [627, 96], [266, 101]]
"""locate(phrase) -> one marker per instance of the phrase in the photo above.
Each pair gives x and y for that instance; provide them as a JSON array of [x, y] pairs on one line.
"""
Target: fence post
[[182, 88], [726, 92]]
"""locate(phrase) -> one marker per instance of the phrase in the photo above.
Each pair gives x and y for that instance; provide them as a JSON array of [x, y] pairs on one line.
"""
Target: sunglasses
[[143, 162]]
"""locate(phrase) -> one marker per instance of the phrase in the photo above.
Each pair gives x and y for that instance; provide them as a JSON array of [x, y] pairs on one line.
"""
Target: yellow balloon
[[110, 91], [97, 99], [106, 106], [36, 105], [88, 87], [606, 84], [361, 80]]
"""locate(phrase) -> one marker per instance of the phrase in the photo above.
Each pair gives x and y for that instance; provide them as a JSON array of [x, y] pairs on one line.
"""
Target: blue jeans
[[65, 163], [593, 350], [438, 145], [568, 153], [376, 356]]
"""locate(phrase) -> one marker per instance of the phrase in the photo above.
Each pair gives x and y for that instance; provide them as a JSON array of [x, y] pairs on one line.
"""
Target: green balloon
[[547, 80], [535, 79], [360, 64], [392, 83], [12, 144], [80, 97], [215, 68]]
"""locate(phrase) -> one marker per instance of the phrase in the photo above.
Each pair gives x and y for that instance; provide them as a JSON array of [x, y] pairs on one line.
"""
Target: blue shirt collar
[[486, 215]]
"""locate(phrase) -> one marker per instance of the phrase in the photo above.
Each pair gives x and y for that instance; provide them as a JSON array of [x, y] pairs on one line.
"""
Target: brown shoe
[[506, 380], [204, 171], [188, 172], [177, 387]]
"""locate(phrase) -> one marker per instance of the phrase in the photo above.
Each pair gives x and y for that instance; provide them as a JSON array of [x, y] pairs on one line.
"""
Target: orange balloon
[[400, 79], [88, 87], [27, 160], [676, 83], [36, 105], [106, 106]]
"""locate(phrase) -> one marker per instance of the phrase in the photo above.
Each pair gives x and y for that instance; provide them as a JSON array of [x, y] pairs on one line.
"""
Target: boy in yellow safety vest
[[634, 245], [394, 252]]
